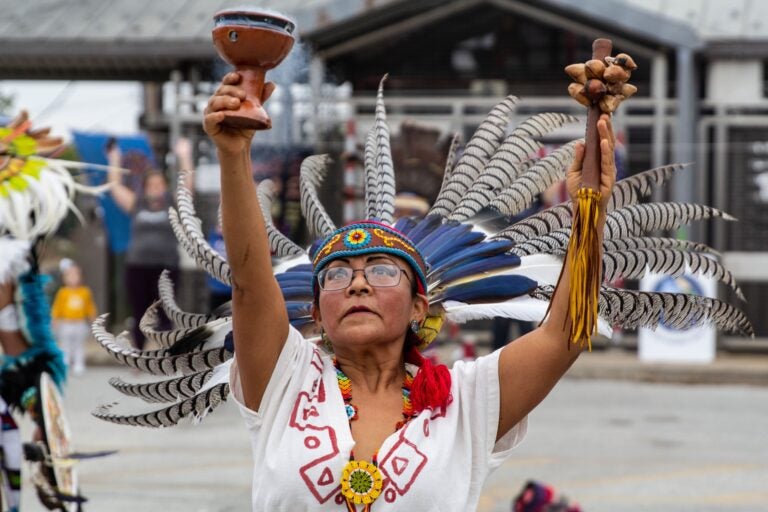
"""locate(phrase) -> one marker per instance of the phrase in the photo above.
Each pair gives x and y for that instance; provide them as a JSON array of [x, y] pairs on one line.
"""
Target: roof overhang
[[590, 18]]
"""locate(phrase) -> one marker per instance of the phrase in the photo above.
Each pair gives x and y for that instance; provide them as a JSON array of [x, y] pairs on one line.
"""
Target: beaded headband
[[367, 238]]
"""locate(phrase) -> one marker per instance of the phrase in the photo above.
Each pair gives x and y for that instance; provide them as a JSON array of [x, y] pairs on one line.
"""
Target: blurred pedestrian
[[153, 246], [72, 312]]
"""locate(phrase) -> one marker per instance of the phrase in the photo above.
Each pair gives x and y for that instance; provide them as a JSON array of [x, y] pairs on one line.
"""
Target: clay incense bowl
[[253, 42]]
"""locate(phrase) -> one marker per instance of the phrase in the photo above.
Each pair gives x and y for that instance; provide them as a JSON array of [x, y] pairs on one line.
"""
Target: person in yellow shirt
[[72, 312]]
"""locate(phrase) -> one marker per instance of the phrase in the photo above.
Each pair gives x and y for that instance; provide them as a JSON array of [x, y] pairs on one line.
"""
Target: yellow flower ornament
[[361, 482]]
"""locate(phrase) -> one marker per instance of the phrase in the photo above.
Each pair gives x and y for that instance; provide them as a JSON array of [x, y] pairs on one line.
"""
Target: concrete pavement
[[613, 446], [601, 441]]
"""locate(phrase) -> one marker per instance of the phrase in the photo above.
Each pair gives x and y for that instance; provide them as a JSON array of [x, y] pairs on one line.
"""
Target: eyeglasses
[[380, 275]]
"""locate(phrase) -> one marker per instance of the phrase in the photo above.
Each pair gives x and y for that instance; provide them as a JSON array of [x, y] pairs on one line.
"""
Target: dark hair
[[150, 174]]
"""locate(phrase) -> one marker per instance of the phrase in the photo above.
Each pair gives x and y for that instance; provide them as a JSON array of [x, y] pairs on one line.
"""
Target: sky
[[111, 107]]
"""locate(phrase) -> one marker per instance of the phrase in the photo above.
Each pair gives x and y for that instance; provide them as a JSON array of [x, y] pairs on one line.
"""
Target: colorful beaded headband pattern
[[367, 238]]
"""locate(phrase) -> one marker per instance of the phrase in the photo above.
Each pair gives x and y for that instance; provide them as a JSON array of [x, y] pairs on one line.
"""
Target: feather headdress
[[470, 274], [15, 259], [36, 190]]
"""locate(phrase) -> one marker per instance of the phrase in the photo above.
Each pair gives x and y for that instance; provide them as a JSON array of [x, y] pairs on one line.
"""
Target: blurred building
[[701, 80]]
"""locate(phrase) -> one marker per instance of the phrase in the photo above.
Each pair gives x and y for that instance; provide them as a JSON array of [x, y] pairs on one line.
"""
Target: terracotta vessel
[[253, 42]]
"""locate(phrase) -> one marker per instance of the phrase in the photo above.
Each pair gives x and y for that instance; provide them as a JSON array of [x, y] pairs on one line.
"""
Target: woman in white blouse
[[372, 426]]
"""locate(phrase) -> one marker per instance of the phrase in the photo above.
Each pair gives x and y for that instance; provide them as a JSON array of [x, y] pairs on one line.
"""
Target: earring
[[326, 341], [415, 326]]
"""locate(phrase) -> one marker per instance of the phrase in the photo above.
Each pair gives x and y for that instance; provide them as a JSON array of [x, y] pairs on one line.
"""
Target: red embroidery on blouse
[[402, 464], [320, 440]]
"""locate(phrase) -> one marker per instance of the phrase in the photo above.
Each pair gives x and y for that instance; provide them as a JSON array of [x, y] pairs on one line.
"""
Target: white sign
[[665, 344]]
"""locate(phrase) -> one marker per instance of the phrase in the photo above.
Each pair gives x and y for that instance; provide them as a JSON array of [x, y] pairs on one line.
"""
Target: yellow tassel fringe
[[583, 259]]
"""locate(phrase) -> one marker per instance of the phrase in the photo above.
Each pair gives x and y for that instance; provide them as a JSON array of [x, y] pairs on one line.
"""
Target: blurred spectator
[[72, 312], [153, 246], [408, 204]]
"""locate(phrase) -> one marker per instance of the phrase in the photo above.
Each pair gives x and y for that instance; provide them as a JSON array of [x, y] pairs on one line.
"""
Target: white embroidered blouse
[[301, 439]]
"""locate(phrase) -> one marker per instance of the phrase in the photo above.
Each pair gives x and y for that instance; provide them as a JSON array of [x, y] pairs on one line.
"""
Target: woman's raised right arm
[[259, 317], [124, 197]]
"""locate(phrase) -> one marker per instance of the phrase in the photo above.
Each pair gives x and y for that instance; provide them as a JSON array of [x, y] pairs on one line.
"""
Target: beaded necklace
[[361, 481]]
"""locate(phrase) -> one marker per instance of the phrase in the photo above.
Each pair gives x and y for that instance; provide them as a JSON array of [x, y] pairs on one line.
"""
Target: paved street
[[614, 446]]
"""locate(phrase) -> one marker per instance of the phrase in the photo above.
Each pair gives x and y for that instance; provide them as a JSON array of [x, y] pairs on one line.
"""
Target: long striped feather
[[313, 171], [202, 252], [450, 159], [556, 243], [521, 193], [636, 219], [634, 263], [504, 166], [164, 391], [172, 310], [178, 232], [157, 362], [484, 143], [543, 124], [629, 190], [184, 340], [279, 244], [545, 221], [651, 242], [631, 309], [385, 170], [370, 173], [149, 322], [197, 406]]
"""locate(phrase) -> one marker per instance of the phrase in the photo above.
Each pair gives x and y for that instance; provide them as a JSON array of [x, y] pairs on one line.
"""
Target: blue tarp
[[91, 148]]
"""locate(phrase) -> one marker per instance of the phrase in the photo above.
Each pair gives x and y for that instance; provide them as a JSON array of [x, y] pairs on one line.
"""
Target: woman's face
[[155, 187], [72, 276], [363, 314]]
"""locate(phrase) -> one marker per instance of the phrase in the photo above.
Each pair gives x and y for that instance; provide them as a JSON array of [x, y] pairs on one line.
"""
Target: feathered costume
[[36, 194], [470, 274]]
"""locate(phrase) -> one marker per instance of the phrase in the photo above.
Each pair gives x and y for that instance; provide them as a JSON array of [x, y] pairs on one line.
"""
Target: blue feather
[[297, 292], [405, 224], [447, 231], [298, 309], [423, 228], [295, 283], [490, 289], [313, 249], [497, 262], [450, 247], [300, 322], [474, 252], [229, 341], [301, 278], [301, 267]]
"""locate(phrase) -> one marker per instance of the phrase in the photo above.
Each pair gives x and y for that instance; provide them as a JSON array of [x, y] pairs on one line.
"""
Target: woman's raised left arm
[[530, 366]]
